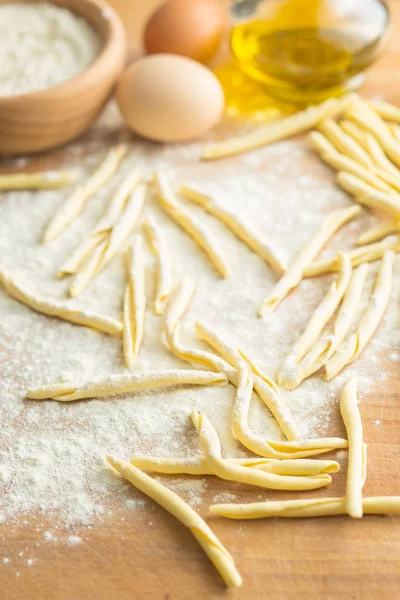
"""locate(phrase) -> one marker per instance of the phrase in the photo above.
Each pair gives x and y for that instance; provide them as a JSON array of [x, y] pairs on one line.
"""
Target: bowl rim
[[114, 40]]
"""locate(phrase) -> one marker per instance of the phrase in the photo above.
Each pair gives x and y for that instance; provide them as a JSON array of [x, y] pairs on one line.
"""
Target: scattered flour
[[52, 455]]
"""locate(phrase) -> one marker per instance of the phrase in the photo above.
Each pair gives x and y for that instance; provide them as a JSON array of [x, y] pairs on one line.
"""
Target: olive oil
[[307, 50]]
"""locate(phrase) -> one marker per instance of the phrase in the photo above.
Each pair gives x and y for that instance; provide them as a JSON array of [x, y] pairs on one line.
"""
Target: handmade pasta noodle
[[298, 266], [233, 472], [161, 251], [58, 308], [216, 552], [353, 346], [244, 231], [75, 203], [124, 383], [287, 373], [186, 221]]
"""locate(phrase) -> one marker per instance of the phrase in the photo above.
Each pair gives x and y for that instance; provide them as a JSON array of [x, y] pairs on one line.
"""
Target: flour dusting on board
[[51, 454]]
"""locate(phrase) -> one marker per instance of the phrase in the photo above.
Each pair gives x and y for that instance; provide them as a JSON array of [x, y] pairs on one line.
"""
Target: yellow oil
[[302, 65]]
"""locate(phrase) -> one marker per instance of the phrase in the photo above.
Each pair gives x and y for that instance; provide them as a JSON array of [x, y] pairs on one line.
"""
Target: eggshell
[[191, 28], [169, 98]]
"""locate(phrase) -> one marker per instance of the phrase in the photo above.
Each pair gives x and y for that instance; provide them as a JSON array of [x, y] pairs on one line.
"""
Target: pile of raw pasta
[[364, 148]]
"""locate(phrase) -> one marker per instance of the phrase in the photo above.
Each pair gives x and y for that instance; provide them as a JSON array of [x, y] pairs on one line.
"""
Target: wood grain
[[329, 559]]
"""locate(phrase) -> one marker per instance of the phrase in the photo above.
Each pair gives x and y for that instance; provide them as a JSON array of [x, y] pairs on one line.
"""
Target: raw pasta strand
[[355, 470], [244, 231], [353, 346], [265, 387], [161, 251], [216, 552], [75, 203], [185, 220], [317, 507], [344, 143], [50, 180], [326, 346], [58, 308], [340, 162], [368, 196], [287, 373], [88, 270], [78, 256], [295, 271], [233, 472], [387, 111], [125, 224], [104, 226], [358, 256], [197, 466], [369, 120], [114, 243], [134, 302], [378, 232], [278, 130], [178, 305], [124, 383]]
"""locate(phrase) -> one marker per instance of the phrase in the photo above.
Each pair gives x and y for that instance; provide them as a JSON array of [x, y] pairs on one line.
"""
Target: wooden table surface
[[278, 559]]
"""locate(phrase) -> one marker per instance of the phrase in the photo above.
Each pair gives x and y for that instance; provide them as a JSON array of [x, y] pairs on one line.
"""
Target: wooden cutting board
[[278, 559]]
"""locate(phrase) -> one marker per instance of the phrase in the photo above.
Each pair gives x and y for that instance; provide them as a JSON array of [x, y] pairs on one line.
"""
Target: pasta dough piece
[[325, 347], [369, 120], [238, 226], [278, 130], [353, 346], [344, 143], [78, 256], [387, 111], [179, 303], [340, 162], [317, 507], [233, 472], [179, 509], [197, 466], [387, 171], [298, 266], [378, 232], [267, 448], [104, 226], [265, 387], [75, 203], [177, 307], [50, 180], [134, 302], [114, 244], [355, 470], [88, 270], [124, 383], [287, 373], [358, 256], [57, 308], [125, 225], [186, 221], [381, 160], [366, 195], [161, 251]]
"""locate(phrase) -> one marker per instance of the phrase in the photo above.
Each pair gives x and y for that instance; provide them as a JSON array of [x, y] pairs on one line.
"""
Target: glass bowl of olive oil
[[308, 50]]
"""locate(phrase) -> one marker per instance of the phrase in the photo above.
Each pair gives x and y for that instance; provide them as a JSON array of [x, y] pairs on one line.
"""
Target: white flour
[[42, 45], [51, 454]]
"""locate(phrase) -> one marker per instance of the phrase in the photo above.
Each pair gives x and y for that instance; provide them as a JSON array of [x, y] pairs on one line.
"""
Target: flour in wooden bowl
[[42, 45]]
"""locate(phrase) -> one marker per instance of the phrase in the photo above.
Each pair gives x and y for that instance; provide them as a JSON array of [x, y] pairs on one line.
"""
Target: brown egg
[[170, 98], [191, 28]]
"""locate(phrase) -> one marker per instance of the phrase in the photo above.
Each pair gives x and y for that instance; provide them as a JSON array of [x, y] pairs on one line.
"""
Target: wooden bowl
[[42, 120]]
